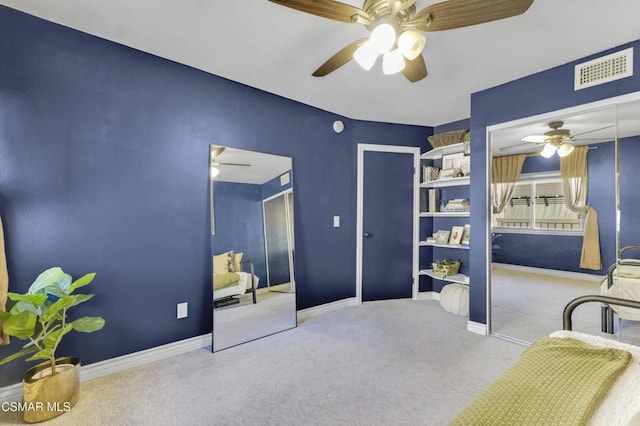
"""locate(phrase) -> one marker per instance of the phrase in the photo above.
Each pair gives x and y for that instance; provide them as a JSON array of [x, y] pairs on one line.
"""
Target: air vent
[[604, 69]]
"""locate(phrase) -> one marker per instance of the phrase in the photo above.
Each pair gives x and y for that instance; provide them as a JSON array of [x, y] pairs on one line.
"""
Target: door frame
[[415, 151], [614, 101], [290, 238]]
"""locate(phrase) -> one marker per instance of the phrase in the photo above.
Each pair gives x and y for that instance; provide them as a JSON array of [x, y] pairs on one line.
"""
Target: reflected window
[[538, 204]]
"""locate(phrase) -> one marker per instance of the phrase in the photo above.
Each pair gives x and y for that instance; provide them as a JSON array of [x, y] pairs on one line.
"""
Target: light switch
[[336, 221], [183, 310]]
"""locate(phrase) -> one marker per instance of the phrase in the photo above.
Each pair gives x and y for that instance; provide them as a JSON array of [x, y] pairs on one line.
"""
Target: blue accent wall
[[104, 168], [628, 157], [454, 125], [546, 91], [274, 187], [563, 252], [239, 224]]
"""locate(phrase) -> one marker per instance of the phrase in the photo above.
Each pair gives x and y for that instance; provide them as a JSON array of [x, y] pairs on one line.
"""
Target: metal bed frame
[[568, 309], [607, 313]]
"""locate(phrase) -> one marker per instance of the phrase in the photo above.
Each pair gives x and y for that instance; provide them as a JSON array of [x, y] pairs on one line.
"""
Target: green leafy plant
[[40, 315], [447, 262]]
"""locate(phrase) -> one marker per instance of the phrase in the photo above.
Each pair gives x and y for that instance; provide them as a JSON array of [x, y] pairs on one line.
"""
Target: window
[[537, 205]]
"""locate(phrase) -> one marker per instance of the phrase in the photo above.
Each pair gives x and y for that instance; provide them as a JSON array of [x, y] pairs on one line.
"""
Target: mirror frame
[[616, 102], [280, 326]]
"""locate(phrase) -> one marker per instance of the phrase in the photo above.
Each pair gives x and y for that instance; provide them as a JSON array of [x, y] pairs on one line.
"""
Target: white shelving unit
[[445, 214], [451, 246], [441, 183], [457, 278], [435, 154]]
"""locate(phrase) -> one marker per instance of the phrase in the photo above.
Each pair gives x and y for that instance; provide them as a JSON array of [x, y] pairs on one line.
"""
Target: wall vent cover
[[604, 69]]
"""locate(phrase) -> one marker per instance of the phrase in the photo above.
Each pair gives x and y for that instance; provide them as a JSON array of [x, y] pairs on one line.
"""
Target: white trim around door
[[359, 212]]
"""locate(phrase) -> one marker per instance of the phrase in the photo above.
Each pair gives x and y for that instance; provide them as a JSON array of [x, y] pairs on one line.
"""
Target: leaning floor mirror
[[251, 195]]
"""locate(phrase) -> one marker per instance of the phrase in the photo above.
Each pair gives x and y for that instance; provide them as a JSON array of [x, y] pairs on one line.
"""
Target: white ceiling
[[260, 167], [274, 48], [599, 125]]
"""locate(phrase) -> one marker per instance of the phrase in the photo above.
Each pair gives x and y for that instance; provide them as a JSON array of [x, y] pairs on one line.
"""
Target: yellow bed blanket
[[556, 381], [228, 279]]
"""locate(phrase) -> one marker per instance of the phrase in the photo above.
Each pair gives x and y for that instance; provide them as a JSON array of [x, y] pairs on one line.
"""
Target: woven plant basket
[[447, 138]]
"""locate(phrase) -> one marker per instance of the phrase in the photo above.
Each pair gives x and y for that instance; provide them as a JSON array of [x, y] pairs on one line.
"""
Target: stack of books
[[457, 205]]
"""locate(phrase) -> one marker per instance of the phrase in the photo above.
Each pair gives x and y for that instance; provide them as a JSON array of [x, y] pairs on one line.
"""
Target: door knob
[[368, 235]]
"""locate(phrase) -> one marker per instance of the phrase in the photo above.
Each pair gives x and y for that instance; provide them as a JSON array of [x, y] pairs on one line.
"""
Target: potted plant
[[40, 316], [445, 268]]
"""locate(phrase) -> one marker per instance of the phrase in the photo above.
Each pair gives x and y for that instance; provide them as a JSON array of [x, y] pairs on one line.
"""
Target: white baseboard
[[552, 272], [477, 327], [428, 295], [124, 362], [305, 314]]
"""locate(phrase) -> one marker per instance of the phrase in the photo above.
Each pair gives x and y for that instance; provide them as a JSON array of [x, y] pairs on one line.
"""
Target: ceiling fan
[[215, 153], [396, 28], [557, 140]]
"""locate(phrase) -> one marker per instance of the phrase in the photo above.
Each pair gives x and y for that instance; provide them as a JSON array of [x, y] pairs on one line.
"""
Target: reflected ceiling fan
[[396, 28], [557, 140], [215, 153]]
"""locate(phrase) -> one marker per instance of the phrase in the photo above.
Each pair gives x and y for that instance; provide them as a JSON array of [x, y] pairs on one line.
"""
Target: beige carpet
[[529, 306], [398, 362]]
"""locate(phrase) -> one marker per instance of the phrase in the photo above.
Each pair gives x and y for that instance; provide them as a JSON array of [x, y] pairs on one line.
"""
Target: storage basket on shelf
[[448, 138], [446, 268]]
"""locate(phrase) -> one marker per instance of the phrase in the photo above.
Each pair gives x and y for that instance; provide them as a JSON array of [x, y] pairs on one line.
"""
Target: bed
[[622, 281], [230, 280], [568, 378]]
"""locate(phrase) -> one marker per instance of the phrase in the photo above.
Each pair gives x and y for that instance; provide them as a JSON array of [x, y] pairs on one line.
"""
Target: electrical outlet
[[182, 310], [336, 221]]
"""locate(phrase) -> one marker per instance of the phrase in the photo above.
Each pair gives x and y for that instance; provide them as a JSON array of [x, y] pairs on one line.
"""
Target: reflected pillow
[[221, 263], [237, 258]]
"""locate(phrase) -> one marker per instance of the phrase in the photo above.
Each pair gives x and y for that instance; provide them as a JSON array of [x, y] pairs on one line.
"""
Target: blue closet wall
[[628, 156], [239, 225], [274, 187], [535, 94], [563, 252], [104, 168]]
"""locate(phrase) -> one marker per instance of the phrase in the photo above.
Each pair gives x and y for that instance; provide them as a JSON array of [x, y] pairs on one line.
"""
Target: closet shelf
[[443, 150], [457, 278], [445, 214], [451, 246], [441, 183]]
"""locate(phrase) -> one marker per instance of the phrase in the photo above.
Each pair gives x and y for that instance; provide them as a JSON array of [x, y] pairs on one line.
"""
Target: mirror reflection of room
[[553, 223], [252, 245]]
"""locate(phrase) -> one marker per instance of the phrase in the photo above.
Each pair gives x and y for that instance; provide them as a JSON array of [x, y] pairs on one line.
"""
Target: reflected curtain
[[575, 183], [505, 172], [4, 284]]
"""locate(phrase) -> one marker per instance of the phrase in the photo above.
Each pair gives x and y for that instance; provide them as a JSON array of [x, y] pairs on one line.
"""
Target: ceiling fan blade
[[452, 14], [516, 146], [217, 151], [415, 70], [339, 59], [325, 8], [231, 164], [535, 138], [591, 131]]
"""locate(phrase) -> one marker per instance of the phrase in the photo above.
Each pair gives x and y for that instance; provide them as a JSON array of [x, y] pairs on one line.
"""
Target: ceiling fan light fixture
[[392, 62], [565, 149], [548, 150], [411, 43], [383, 37], [366, 55]]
